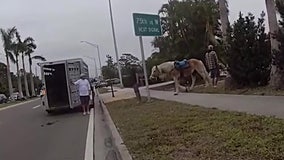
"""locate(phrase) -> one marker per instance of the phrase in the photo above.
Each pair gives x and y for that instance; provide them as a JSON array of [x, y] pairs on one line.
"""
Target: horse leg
[[176, 86], [204, 74], [193, 79]]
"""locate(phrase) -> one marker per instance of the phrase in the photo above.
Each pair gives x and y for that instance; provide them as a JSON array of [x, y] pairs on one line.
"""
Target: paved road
[[261, 105], [28, 133], [104, 149]]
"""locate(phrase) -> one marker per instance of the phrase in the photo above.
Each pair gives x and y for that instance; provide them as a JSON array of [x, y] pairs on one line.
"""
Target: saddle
[[181, 65]]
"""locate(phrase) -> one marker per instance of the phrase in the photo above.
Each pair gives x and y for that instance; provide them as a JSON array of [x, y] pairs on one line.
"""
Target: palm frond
[[32, 46], [3, 33], [41, 58], [28, 40], [28, 52], [11, 32], [18, 36], [3, 36], [15, 48], [7, 37]]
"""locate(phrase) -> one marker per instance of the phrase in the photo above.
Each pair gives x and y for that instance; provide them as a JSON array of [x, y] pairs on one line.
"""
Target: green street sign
[[147, 24]]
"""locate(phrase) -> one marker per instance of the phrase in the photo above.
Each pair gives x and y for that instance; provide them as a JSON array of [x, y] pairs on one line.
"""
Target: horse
[[189, 66]]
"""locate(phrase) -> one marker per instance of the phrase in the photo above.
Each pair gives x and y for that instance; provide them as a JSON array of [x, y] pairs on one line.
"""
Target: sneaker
[[88, 112], [84, 113]]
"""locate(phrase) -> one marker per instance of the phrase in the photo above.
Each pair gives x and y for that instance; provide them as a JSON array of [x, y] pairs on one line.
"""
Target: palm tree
[[31, 58], [26, 46], [30, 47], [275, 75], [16, 51], [224, 14], [7, 37]]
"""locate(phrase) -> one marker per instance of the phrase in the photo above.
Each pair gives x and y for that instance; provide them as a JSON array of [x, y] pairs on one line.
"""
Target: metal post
[[144, 68], [96, 68], [115, 45], [112, 92], [99, 60]]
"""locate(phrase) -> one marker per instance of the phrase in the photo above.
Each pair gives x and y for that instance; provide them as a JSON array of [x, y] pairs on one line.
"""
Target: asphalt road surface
[[28, 133]]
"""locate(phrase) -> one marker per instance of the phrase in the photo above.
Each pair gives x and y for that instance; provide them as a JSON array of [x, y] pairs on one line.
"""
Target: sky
[[58, 26]]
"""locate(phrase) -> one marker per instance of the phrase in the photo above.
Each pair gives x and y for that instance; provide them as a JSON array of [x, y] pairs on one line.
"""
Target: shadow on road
[[68, 111]]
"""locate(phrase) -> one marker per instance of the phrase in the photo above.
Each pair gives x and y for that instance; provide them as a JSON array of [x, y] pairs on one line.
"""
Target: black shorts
[[214, 73], [85, 100]]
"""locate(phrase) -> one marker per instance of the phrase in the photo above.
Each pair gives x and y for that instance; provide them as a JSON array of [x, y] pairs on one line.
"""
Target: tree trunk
[[19, 79], [10, 85], [32, 78], [25, 78], [276, 74], [224, 18]]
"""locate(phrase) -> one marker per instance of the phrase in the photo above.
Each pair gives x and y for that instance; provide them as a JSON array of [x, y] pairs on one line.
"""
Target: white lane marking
[[35, 107], [89, 149], [16, 105]]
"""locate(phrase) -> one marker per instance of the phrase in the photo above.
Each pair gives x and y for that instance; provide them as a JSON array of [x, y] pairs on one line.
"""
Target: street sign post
[[146, 25]]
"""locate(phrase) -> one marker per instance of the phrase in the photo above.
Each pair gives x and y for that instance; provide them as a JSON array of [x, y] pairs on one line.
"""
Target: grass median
[[166, 130], [3, 105], [8, 104]]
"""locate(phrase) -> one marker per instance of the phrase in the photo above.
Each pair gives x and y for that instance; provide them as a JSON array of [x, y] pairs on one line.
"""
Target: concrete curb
[[160, 84], [120, 148]]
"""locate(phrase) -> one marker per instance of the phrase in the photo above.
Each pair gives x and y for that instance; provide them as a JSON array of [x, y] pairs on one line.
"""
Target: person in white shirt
[[84, 92]]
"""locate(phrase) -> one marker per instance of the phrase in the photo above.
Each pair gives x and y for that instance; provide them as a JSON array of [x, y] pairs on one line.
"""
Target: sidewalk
[[126, 93], [260, 105], [120, 94]]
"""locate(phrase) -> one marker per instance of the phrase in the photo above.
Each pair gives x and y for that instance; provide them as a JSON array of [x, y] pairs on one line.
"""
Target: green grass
[[163, 130], [9, 104], [14, 102]]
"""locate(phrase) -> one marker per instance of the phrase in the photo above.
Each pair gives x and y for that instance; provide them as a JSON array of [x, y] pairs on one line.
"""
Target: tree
[[29, 49], [7, 36], [276, 74], [279, 55], [224, 17], [188, 28], [3, 79], [16, 50], [250, 57], [27, 46], [31, 58], [130, 66], [109, 71], [127, 60]]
